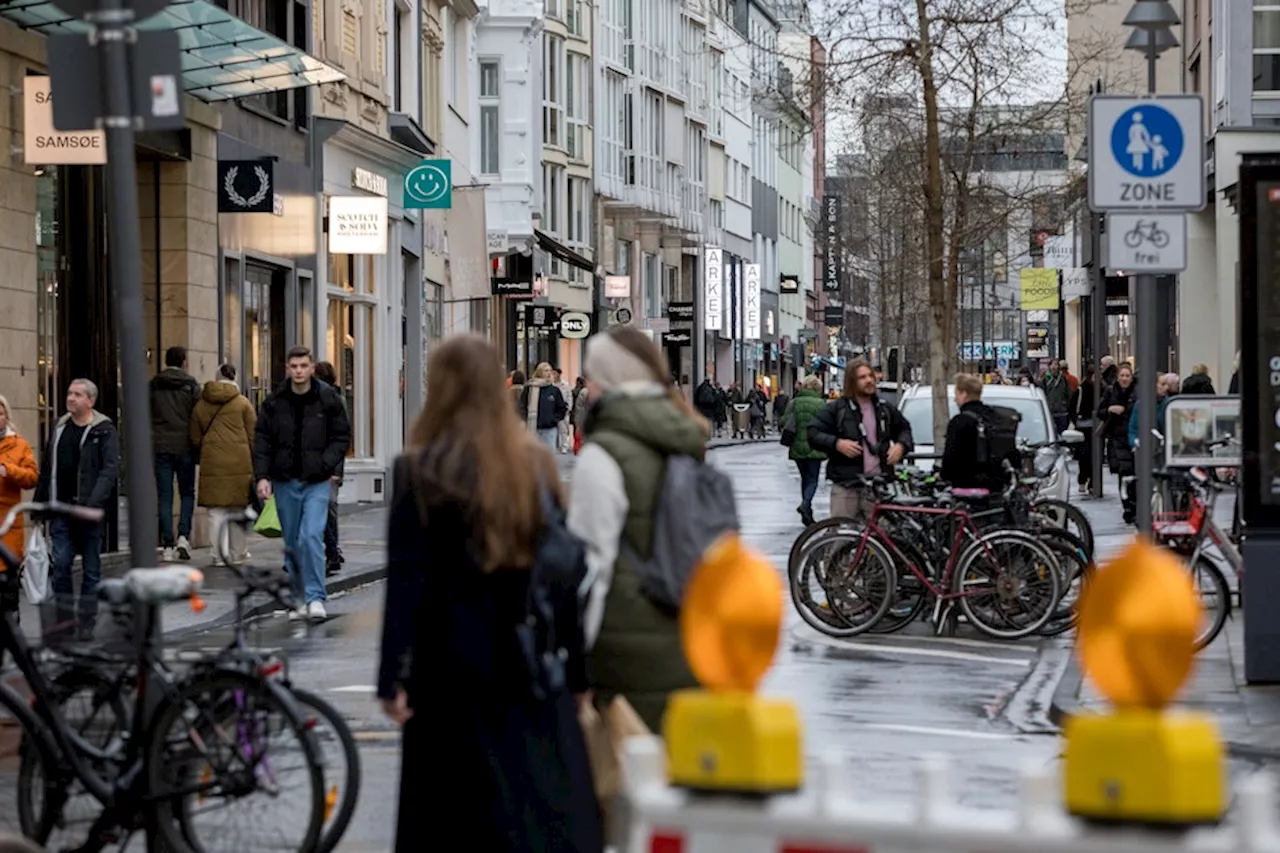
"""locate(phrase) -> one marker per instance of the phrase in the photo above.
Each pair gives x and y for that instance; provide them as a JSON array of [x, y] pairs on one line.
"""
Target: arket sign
[[47, 146], [713, 290], [751, 304], [357, 225]]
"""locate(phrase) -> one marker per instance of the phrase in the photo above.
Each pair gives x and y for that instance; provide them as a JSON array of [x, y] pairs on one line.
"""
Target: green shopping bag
[[268, 523]]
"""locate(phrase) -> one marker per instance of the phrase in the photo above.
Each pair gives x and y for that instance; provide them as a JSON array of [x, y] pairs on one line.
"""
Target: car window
[[1033, 428]]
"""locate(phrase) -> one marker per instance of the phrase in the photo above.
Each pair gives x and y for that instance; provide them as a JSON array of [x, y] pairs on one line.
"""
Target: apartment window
[[578, 226], [553, 207], [573, 17], [554, 9], [553, 91], [577, 100], [432, 91], [448, 25], [1266, 45], [717, 214], [490, 116], [287, 21], [651, 277]]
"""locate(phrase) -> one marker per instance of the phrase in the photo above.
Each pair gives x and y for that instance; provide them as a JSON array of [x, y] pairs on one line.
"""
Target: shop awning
[[554, 247], [222, 56]]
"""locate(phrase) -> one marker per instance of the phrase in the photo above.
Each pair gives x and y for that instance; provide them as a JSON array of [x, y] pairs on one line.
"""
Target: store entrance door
[[264, 325]]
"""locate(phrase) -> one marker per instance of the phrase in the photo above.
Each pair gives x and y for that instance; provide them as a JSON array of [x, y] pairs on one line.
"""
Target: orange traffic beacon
[[724, 737], [1136, 642]]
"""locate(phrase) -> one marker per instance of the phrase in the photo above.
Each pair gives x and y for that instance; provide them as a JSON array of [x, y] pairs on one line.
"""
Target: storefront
[[369, 249]]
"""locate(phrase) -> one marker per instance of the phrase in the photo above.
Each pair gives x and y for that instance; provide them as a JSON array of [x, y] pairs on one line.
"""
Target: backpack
[[997, 439], [695, 508], [559, 570]]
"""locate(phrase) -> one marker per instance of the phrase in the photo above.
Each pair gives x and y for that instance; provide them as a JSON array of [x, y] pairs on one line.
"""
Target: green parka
[[805, 405]]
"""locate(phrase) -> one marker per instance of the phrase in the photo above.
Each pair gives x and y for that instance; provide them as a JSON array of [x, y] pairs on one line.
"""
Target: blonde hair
[[970, 385], [812, 383], [542, 371], [1200, 370]]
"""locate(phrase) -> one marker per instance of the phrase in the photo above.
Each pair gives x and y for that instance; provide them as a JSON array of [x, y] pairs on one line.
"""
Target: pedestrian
[[333, 558], [465, 522], [80, 466], [222, 427], [1233, 387], [544, 406], [563, 436], [806, 403], [862, 437], [636, 423], [577, 408], [721, 419], [174, 393], [299, 443], [1113, 419], [780, 404], [705, 399], [1199, 384], [18, 472], [516, 389], [966, 462], [1085, 403], [1110, 371], [1057, 392], [758, 402], [1072, 381]]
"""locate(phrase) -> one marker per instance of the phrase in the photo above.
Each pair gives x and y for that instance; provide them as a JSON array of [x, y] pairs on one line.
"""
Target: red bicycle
[[1004, 582]]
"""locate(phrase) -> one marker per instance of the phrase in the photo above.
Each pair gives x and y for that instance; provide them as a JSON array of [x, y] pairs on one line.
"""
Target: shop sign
[[713, 290], [506, 287], [47, 146], [246, 186], [497, 242], [540, 316], [789, 284], [833, 316], [370, 182], [679, 338], [751, 303], [357, 225], [429, 186], [617, 287], [574, 325], [680, 312]]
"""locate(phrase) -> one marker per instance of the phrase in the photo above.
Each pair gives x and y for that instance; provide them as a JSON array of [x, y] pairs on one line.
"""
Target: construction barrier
[[827, 817]]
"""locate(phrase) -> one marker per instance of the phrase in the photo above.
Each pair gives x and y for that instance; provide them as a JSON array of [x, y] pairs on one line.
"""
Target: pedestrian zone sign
[[1146, 153]]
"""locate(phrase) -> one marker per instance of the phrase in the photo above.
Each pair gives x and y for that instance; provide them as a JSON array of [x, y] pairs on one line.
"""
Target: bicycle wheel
[[30, 771], [218, 741], [1066, 516], [813, 531], [807, 581], [1215, 596], [1008, 584], [341, 759], [911, 594], [1077, 571], [857, 596]]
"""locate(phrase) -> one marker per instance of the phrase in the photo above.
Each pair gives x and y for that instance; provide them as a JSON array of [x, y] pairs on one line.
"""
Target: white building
[[762, 30], [797, 208]]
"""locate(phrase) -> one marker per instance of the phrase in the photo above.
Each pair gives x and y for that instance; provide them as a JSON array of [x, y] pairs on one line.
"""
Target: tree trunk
[[942, 317]]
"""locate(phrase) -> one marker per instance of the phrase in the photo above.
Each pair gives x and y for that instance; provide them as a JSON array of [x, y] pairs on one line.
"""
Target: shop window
[[351, 349], [47, 201], [342, 272], [341, 350]]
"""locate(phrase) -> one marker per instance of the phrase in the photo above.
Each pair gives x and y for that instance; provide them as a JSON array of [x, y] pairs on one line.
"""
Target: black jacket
[[829, 426], [99, 464], [174, 393], [1198, 384], [325, 431], [960, 465], [552, 407], [706, 399]]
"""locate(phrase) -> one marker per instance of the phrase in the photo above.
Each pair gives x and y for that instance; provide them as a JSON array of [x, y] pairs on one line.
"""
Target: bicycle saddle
[[911, 500], [152, 586], [971, 494]]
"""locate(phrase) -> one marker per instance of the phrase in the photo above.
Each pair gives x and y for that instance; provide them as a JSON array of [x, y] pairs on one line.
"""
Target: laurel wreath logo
[[264, 187]]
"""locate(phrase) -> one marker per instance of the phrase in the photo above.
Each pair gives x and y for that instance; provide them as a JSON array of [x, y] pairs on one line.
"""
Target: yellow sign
[[1039, 289]]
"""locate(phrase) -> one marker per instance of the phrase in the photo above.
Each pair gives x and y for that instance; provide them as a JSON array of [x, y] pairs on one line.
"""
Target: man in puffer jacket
[[174, 393]]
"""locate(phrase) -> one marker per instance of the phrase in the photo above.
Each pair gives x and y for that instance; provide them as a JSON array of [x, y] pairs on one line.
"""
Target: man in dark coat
[[174, 393]]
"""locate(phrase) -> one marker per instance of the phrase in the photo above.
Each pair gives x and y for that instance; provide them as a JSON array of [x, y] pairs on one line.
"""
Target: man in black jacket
[[863, 436], [174, 393], [965, 465], [299, 445]]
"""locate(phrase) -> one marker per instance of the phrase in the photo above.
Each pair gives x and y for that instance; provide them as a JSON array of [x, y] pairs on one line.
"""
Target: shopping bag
[[606, 733], [35, 566], [268, 523]]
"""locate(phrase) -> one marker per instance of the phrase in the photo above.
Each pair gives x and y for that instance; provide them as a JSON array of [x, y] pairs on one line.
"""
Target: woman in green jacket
[[807, 403]]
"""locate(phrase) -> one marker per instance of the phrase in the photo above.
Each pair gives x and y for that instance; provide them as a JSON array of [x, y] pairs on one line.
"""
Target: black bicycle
[[203, 746]]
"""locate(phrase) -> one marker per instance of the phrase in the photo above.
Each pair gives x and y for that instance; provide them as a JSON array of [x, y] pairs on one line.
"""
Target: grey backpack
[[695, 507]]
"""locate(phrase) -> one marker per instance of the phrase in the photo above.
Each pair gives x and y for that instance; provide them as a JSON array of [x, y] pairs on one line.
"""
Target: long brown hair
[[638, 344], [474, 452]]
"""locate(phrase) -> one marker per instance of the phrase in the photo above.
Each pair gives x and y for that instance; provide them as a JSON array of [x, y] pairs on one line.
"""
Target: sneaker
[[166, 556], [298, 613], [315, 612], [216, 563], [183, 549]]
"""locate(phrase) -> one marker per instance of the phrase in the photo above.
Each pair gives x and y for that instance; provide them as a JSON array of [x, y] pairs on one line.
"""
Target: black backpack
[[997, 439]]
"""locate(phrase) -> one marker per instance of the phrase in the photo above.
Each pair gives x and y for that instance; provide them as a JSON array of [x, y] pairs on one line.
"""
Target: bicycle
[[197, 740], [326, 726], [1149, 232]]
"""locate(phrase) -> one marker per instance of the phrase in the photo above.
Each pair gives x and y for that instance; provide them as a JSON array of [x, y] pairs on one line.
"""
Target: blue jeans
[[184, 466], [304, 510], [66, 539], [810, 471]]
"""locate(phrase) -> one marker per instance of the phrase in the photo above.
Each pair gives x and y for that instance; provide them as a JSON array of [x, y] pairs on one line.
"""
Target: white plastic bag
[[35, 566]]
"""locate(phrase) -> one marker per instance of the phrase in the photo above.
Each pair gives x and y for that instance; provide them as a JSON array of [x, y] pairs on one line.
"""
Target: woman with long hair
[[466, 518]]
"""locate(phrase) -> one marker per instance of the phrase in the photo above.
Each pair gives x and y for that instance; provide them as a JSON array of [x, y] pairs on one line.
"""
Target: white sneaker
[[183, 549], [166, 556], [217, 563], [298, 613], [315, 612]]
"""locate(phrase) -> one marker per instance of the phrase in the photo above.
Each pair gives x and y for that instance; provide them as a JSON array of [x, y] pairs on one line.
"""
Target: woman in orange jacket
[[18, 471]]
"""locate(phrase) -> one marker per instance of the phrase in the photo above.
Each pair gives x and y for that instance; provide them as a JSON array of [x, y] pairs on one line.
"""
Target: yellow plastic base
[[1164, 767], [733, 741]]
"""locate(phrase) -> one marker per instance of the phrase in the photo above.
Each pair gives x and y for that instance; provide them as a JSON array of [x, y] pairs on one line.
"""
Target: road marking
[[920, 651], [938, 732], [353, 688]]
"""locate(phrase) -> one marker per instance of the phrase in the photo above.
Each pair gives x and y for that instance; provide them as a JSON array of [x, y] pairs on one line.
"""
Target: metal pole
[[126, 278], [1098, 308], [1147, 357]]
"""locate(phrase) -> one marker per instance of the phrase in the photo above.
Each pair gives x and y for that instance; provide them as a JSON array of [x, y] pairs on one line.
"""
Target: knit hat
[[610, 365]]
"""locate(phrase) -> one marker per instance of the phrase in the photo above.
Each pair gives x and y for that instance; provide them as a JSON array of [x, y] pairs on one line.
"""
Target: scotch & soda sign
[[47, 146]]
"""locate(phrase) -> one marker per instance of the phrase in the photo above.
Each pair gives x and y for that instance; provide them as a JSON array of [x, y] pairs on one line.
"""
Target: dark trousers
[[183, 466], [66, 539], [810, 471], [1084, 456], [331, 550]]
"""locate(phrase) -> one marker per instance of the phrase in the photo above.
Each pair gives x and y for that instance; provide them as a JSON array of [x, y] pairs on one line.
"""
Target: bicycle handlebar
[[51, 509]]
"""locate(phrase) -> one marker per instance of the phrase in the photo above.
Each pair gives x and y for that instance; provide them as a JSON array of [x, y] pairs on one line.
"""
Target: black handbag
[[788, 429]]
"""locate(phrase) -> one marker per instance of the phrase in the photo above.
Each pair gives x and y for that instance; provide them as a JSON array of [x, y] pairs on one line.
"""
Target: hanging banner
[[1039, 289], [713, 290], [357, 225], [751, 303], [831, 267]]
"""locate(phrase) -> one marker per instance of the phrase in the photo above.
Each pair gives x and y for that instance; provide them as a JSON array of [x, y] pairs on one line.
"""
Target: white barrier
[[827, 817]]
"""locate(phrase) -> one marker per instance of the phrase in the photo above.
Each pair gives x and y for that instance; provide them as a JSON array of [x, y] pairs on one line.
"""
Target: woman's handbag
[[606, 732], [35, 566]]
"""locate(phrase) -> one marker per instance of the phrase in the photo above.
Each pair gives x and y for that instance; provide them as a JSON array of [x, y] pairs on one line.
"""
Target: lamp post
[[1151, 21]]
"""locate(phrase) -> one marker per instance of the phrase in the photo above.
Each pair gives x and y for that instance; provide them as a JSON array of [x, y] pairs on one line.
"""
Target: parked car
[[1035, 427]]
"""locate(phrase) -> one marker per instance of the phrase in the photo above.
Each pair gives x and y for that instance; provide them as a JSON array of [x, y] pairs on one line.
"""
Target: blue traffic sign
[[1147, 141]]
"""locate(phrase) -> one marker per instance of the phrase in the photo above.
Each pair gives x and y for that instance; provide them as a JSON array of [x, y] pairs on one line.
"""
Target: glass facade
[[350, 343]]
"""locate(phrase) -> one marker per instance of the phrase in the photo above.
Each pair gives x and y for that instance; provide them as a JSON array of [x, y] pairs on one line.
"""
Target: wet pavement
[[879, 702]]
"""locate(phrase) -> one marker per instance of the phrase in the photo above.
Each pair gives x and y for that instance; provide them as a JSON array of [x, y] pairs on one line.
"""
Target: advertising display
[[1202, 432]]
